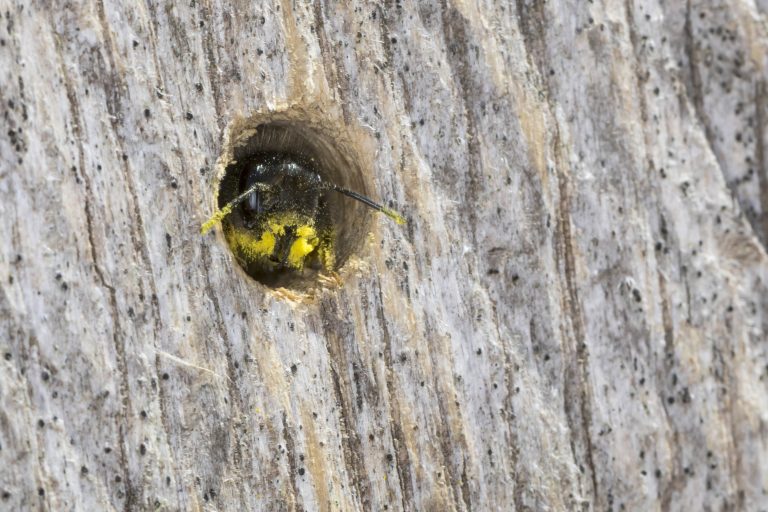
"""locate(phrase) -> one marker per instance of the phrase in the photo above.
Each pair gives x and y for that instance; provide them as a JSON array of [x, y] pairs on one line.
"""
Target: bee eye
[[255, 204]]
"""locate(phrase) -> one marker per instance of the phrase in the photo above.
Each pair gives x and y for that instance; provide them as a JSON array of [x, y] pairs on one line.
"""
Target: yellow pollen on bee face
[[250, 246], [302, 235], [299, 250], [305, 243], [276, 227], [305, 231]]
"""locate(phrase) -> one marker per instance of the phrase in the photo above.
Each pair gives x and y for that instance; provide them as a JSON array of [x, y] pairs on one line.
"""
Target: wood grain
[[575, 316]]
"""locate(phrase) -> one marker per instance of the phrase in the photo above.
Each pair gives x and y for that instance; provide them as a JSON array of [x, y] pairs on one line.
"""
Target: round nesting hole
[[288, 212]]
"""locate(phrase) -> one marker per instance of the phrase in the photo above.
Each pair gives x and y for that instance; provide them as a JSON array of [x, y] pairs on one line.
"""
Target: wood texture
[[574, 318]]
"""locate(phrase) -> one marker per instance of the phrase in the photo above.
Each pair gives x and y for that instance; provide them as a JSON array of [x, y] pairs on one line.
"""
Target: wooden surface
[[574, 318]]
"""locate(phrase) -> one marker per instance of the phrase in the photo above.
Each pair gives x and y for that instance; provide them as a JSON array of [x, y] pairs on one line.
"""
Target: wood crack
[[123, 420], [457, 44], [578, 400], [351, 444], [761, 159], [290, 449], [402, 458], [695, 86], [446, 436], [233, 385]]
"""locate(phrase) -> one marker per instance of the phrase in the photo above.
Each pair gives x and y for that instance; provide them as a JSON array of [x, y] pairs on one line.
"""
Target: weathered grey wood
[[575, 316]]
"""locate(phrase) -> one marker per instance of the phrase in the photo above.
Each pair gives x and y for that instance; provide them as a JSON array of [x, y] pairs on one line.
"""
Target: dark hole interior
[[290, 146]]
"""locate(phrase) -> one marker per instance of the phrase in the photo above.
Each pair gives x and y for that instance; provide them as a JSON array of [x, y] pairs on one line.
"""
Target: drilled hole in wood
[[285, 219]]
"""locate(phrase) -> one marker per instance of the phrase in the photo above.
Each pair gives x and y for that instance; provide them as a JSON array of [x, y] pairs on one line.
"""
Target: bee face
[[282, 226], [284, 207]]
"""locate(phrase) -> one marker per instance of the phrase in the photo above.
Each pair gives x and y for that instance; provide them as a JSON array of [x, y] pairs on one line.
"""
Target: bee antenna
[[220, 214], [392, 214]]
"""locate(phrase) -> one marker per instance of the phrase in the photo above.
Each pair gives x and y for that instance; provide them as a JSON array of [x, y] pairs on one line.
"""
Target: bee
[[276, 217]]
